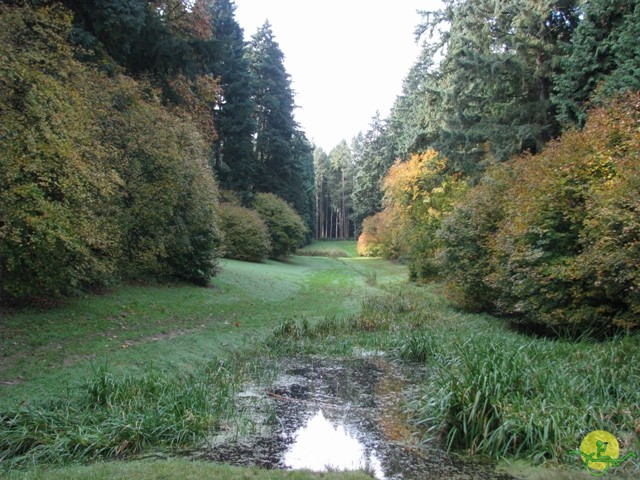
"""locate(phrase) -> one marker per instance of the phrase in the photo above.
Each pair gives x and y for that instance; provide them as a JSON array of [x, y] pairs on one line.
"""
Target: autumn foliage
[[551, 239], [99, 181], [555, 238], [418, 193]]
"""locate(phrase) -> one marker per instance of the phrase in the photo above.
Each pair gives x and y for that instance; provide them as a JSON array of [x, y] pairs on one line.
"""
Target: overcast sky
[[346, 58]]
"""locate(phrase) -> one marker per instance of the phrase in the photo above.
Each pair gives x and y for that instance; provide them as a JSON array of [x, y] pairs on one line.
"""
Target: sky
[[346, 58]]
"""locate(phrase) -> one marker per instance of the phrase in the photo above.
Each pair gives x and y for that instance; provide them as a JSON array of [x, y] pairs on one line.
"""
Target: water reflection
[[329, 414], [321, 446]]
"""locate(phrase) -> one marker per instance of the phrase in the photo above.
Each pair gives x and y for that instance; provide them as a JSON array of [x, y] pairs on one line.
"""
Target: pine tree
[[603, 51], [233, 156], [341, 172], [284, 155], [499, 59], [323, 198], [373, 157], [274, 113]]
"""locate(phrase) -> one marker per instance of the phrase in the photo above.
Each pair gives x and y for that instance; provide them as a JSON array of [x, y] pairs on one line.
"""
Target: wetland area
[[328, 414]]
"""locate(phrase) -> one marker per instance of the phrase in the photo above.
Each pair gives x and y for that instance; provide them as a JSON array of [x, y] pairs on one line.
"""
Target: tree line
[[510, 162], [496, 78], [123, 122]]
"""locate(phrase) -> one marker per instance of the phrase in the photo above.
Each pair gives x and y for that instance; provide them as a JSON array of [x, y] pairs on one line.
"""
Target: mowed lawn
[[176, 326]]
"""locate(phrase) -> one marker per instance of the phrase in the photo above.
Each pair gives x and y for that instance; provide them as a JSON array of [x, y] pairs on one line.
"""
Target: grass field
[[173, 469], [140, 353], [175, 326], [136, 331]]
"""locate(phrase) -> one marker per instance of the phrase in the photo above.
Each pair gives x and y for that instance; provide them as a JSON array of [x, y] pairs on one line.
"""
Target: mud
[[326, 414]]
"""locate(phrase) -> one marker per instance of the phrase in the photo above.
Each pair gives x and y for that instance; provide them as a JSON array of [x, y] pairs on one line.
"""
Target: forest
[[149, 138]]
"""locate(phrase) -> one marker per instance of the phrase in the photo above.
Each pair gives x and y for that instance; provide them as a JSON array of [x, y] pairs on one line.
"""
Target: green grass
[[60, 406], [173, 326], [490, 390], [487, 390], [172, 469], [115, 416], [331, 248]]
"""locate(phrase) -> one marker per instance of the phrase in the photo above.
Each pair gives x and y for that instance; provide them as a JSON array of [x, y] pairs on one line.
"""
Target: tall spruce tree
[[341, 173], [603, 52], [373, 157], [323, 197], [413, 122], [282, 151], [499, 59], [233, 156]]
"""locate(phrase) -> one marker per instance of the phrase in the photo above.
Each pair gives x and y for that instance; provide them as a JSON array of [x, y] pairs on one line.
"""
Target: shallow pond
[[328, 414]]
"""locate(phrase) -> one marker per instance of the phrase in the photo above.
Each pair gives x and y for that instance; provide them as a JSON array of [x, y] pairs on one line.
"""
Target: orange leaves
[[412, 181], [558, 240]]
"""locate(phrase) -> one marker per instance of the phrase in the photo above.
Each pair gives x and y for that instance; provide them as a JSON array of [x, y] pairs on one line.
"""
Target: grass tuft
[[112, 417], [501, 394]]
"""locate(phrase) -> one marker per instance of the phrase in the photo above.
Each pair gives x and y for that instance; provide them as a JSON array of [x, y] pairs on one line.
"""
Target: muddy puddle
[[324, 414]]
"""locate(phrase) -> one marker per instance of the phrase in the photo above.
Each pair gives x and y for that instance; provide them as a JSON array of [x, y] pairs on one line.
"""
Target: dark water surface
[[329, 414]]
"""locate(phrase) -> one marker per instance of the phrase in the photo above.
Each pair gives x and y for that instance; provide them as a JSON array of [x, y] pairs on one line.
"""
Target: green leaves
[[286, 229], [553, 238], [98, 181]]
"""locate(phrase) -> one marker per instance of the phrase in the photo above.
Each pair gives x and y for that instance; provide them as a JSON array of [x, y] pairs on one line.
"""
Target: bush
[[99, 180], [468, 234], [377, 237], [418, 194], [166, 209], [246, 236], [286, 229], [554, 237], [57, 231]]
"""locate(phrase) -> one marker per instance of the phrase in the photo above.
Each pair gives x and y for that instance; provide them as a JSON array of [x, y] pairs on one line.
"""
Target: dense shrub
[[554, 237], [56, 228], [246, 236], [377, 237], [99, 181], [166, 209], [468, 235], [286, 229]]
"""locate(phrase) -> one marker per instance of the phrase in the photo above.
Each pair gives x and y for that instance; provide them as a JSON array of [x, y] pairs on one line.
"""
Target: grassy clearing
[[172, 326], [160, 342], [487, 389], [330, 248]]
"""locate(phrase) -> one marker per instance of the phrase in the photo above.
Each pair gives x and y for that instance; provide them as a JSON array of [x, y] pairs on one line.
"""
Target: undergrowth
[[112, 417]]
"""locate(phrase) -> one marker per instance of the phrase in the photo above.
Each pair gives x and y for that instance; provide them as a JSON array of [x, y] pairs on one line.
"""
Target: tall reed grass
[[495, 392], [489, 389], [114, 416]]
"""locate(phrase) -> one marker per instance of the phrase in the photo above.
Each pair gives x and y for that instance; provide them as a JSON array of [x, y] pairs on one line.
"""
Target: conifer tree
[[604, 52], [499, 60], [233, 156], [373, 159], [283, 154]]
